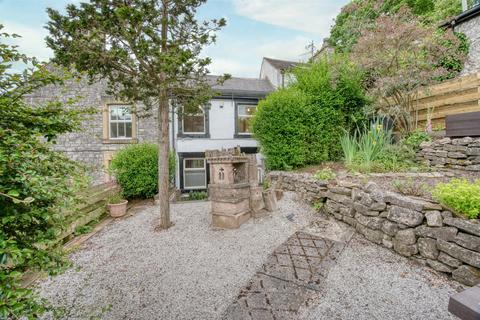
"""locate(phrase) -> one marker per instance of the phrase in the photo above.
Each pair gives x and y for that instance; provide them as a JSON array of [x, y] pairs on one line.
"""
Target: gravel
[[370, 282], [190, 271]]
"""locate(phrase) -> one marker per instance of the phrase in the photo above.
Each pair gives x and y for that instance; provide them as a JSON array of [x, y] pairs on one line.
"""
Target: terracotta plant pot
[[117, 210]]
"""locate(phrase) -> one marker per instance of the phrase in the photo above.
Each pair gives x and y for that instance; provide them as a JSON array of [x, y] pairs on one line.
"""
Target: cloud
[[286, 49], [312, 16], [32, 41]]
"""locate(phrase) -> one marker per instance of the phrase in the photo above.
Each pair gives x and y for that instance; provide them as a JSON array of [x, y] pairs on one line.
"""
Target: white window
[[194, 173], [194, 123], [244, 118], [120, 121]]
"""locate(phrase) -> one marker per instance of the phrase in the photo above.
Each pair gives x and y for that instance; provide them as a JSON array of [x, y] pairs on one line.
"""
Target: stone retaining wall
[[462, 153], [413, 227]]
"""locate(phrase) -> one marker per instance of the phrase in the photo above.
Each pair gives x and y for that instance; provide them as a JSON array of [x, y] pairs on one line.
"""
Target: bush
[[460, 195], [301, 125], [136, 170], [415, 138]]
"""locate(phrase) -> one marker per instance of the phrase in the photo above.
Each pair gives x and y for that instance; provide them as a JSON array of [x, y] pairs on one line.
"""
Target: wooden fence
[[460, 95]]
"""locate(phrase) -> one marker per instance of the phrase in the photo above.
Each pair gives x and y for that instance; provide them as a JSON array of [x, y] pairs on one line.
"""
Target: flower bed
[[418, 228]]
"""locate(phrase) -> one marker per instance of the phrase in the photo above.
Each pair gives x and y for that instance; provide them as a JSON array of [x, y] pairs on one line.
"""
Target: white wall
[[267, 71]]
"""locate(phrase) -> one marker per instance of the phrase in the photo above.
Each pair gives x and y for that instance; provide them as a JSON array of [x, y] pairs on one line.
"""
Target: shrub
[[136, 170], [415, 138], [301, 125], [411, 187], [325, 174], [460, 195]]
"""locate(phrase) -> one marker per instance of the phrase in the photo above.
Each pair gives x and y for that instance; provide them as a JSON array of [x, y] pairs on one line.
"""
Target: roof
[[281, 64], [462, 17], [242, 87]]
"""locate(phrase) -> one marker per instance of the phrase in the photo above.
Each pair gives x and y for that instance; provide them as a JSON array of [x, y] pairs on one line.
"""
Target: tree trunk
[[163, 150]]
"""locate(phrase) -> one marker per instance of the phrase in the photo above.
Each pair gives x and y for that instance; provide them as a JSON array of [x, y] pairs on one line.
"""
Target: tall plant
[[401, 55], [147, 50]]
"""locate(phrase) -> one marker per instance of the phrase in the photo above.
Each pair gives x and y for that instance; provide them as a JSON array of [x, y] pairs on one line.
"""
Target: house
[[468, 23], [277, 71]]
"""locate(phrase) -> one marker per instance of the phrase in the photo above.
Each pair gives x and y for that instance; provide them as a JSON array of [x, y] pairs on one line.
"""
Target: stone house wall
[[461, 153], [471, 28], [88, 144], [413, 227]]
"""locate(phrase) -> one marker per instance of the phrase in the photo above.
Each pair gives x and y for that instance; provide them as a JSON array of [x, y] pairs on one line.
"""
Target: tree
[[148, 50], [400, 55], [37, 184]]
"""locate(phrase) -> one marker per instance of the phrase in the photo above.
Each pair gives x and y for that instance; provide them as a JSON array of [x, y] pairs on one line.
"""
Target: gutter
[[464, 16]]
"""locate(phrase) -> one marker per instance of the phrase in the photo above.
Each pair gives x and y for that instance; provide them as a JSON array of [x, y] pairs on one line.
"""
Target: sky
[[278, 29]]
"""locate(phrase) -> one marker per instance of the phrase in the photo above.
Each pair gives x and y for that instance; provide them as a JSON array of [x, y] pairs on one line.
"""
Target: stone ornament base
[[226, 221]]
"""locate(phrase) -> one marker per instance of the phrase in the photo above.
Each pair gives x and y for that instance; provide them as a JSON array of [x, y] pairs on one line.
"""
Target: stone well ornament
[[233, 190]]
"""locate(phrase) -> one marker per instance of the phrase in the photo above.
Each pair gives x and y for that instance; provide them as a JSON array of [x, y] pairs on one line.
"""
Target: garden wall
[[413, 227], [462, 153]]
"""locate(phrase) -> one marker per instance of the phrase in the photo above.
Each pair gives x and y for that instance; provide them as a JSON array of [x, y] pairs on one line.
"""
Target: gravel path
[[190, 271], [370, 282]]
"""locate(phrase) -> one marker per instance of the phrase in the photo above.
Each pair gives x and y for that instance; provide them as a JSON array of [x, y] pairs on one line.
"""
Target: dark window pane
[[128, 133], [113, 130], [193, 123], [121, 130], [194, 163]]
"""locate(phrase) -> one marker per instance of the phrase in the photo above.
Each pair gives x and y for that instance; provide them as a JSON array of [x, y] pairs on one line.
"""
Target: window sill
[[243, 136], [120, 141], [194, 135]]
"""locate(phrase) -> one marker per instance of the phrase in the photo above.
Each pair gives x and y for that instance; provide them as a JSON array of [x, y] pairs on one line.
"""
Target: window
[[194, 173], [194, 122], [120, 121], [244, 117]]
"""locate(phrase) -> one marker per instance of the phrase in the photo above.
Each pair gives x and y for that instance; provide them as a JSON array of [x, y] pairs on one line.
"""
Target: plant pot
[[117, 210]]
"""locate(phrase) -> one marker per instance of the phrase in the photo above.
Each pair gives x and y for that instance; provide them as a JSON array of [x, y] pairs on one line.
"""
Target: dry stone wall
[[461, 153], [413, 227]]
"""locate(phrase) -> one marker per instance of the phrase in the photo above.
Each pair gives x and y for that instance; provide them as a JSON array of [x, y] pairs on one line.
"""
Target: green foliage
[[197, 195], [136, 170], [325, 174], [349, 147], [371, 149], [359, 15], [115, 199], [37, 184], [318, 205], [301, 124], [460, 195], [415, 138]]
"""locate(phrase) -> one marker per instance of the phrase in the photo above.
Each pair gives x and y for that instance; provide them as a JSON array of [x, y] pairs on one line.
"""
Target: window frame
[[197, 114], [110, 121], [251, 103], [204, 169], [206, 129]]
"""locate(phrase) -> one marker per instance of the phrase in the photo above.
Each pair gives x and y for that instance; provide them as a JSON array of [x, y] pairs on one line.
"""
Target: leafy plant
[[301, 124], [197, 195], [410, 187], [349, 145], [415, 138], [136, 168], [37, 184], [325, 174], [460, 195], [115, 199]]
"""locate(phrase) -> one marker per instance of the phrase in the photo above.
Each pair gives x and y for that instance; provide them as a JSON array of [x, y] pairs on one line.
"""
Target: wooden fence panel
[[461, 95]]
